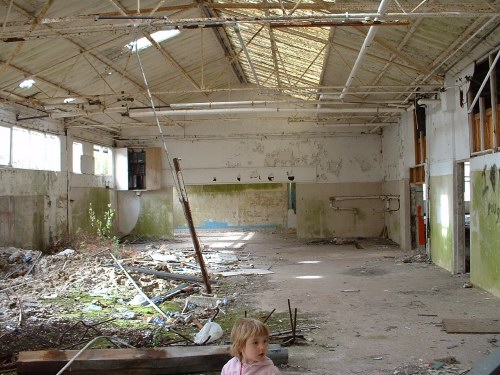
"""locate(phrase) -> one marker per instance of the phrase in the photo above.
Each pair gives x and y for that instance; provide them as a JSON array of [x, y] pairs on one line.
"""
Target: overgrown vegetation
[[103, 227], [100, 235]]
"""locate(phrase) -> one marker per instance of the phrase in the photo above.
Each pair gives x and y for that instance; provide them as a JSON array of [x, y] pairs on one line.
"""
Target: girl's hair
[[243, 329]]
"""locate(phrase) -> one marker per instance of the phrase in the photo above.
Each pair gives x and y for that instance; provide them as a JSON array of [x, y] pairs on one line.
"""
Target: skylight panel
[[158, 36], [27, 83]]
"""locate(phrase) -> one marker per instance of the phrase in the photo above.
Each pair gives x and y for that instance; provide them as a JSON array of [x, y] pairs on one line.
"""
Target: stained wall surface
[[485, 223]]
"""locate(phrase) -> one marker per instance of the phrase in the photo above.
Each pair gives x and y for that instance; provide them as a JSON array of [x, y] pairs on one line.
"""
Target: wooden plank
[[144, 361], [471, 325]]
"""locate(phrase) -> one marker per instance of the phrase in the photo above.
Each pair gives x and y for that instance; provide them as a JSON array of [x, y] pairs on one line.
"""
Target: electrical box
[[138, 168]]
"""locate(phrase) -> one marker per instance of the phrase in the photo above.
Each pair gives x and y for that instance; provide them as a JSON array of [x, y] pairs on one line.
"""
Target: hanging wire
[[174, 176]]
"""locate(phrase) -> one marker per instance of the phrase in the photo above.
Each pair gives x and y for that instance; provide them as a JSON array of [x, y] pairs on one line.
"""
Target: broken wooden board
[[144, 361], [471, 325]]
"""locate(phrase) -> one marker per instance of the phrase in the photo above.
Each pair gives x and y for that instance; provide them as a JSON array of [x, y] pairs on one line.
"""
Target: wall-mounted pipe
[[218, 111], [386, 198], [354, 197]]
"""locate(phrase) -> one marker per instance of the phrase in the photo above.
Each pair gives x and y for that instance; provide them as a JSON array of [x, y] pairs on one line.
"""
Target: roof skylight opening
[[27, 83], [159, 36], [69, 100]]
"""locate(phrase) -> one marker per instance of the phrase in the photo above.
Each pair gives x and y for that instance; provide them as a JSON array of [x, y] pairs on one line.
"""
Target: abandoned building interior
[[335, 121]]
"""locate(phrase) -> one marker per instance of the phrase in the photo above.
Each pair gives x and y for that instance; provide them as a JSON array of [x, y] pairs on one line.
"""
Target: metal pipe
[[192, 230], [353, 197], [366, 44], [353, 209], [201, 112], [244, 47]]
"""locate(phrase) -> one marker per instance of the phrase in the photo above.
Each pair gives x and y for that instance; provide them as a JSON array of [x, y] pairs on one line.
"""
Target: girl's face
[[255, 349]]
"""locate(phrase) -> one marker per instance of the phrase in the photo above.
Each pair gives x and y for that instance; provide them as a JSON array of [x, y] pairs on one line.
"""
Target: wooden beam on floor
[[144, 361], [471, 325]]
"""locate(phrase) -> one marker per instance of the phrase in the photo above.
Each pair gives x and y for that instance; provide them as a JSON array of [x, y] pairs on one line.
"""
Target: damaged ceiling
[[100, 65]]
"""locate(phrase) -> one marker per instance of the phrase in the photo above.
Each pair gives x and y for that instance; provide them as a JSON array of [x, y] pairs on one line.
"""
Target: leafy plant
[[103, 228]]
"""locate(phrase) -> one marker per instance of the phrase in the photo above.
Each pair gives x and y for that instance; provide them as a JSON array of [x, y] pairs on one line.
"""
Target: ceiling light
[[159, 36], [69, 100], [27, 83]]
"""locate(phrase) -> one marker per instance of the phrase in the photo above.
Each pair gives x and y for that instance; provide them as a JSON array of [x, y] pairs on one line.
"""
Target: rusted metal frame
[[7, 15], [119, 7], [312, 62], [467, 36], [100, 75], [111, 64], [225, 42], [51, 67], [167, 56], [249, 60], [192, 230], [36, 19], [274, 52], [371, 56]]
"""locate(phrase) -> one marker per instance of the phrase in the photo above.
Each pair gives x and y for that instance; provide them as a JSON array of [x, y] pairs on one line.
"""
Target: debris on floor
[[66, 300]]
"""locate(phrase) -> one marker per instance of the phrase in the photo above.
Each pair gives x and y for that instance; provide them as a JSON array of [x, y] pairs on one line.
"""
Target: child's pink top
[[235, 367]]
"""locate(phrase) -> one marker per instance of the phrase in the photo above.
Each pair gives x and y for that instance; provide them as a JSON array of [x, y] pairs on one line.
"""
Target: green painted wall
[[485, 229], [98, 197], [314, 221], [441, 218], [317, 219], [155, 215], [234, 206]]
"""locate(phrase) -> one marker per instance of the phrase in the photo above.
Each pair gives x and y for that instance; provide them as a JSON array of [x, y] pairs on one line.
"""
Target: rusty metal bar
[[189, 219]]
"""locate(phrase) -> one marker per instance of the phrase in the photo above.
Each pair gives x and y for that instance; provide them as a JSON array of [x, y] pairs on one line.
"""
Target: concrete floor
[[376, 312]]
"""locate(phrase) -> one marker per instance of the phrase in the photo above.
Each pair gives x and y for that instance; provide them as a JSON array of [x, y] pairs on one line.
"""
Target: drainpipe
[[366, 44]]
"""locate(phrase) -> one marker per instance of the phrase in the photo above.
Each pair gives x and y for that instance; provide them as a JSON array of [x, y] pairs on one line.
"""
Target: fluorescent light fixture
[[69, 100], [159, 36], [27, 83], [309, 261]]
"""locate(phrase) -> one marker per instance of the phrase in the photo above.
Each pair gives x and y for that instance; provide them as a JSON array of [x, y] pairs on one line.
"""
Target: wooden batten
[[144, 361]]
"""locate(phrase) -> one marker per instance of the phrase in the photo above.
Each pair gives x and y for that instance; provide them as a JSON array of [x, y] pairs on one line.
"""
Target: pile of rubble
[[64, 300]]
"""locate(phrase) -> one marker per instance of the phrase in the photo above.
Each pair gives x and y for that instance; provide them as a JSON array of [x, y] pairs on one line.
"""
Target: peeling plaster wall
[[447, 143], [33, 208], [396, 162], [257, 152], [485, 223], [231, 206]]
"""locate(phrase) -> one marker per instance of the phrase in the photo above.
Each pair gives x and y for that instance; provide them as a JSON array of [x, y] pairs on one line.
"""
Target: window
[[35, 150], [4, 145], [158, 37], [467, 181], [77, 157], [103, 160]]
